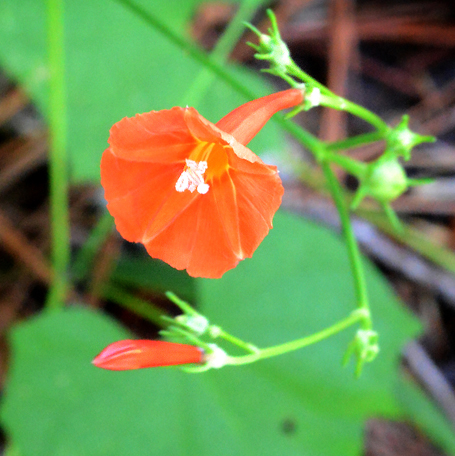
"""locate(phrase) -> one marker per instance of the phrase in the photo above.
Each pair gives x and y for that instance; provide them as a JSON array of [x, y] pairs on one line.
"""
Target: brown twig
[[18, 246], [27, 155], [11, 104], [343, 45]]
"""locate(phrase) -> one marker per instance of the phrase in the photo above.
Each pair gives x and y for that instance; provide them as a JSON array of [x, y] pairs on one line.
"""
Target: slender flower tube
[[190, 190], [138, 354]]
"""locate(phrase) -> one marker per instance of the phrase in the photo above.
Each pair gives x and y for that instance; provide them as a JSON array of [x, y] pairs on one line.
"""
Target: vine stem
[[221, 51], [355, 141], [59, 211], [331, 100], [351, 243], [287, 347]]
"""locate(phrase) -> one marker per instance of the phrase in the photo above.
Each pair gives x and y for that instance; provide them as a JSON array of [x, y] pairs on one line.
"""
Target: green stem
[[236, 341], [183, 305], [354, 167], [136, 305], [355, 141], [297, 344], [221, 52], [58, 173], [351, 243], [342, 104], [329, 99], [86, 255], [294, 70], [311, 142], [189, 48]]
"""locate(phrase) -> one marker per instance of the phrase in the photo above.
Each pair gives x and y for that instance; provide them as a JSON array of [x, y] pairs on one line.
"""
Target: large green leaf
[[116, 66], [303, 403]]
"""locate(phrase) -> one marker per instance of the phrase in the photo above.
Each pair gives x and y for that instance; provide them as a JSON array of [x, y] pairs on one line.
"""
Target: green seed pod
[[385, 180]]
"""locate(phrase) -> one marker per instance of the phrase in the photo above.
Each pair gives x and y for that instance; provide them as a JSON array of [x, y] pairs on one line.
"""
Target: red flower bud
[[138, 354]]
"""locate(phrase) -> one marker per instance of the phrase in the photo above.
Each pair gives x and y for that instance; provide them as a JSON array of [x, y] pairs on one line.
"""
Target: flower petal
[[137, 192], [196, 241], [157, 136], [225, 200], [259, 196]]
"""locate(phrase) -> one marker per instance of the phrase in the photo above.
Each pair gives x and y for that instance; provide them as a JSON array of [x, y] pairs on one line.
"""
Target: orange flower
[[138, 354], [191, 191]]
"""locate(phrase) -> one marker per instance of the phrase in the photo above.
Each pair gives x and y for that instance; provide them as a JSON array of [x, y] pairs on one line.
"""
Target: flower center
[[210, 157], [192, 177]]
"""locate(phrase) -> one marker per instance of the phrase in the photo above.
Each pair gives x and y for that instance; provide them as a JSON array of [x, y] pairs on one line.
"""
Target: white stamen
[[203, 188], [192, 177], [183, 182]]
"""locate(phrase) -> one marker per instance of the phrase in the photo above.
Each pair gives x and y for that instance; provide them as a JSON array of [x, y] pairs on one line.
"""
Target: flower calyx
[[194, 328], [190, 320], [272, 47], [364, 347], [401, 140]]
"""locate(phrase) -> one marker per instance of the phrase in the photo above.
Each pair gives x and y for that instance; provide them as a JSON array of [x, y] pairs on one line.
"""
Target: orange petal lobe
[[136, 192], [225, 200], [259, 193], [157, 136], [139, 354], [196, 241]]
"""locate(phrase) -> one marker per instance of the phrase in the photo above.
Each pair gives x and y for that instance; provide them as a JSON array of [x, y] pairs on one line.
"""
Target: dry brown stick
[[15, 243], [11, 104], [418, 33], [104, 264], [428, 374], [394, 77], [440, 123], [383, 27], [439, 99], [26, 156], [414, 204], [12, 299], [342, 47]]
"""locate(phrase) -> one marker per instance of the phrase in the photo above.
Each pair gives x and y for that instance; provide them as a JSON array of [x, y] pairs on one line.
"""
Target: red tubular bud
[[138, 354], [244, 122]]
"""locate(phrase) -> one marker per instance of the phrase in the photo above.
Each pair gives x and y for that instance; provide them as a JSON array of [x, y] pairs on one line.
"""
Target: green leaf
[[302, 403], [144, 272], [297, 283], [116, 66]]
